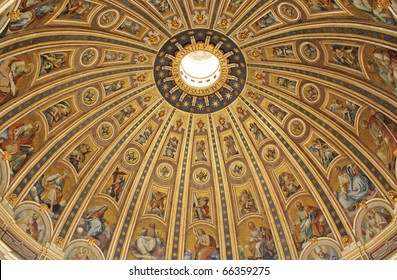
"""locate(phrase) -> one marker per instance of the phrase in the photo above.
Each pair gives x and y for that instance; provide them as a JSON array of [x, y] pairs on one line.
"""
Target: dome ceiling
[[106, 152]]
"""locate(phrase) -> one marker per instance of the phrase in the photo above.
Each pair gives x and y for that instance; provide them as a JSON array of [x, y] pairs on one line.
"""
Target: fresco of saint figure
[[17, 140], [323, 152], [32, 224], [11, 70], [205, 246], [201, 154], [149, 244], [354, 186], [78, 156], [310, 222], [230, 144], [374, 221], [259, 245], [383, 132]]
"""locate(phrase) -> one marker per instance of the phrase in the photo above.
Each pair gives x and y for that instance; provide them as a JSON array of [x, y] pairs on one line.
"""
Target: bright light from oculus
[[200, 69]]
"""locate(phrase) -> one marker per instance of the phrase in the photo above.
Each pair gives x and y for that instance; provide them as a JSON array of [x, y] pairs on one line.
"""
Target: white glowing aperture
[[200, 69]]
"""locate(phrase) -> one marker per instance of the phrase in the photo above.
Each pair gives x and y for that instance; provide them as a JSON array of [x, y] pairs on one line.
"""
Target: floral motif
[[244, 35], [200, 17], [153, 38], [174, 23], [224, 22]]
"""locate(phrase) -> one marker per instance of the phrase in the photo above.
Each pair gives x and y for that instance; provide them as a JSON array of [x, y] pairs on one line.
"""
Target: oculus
[[200, 71]]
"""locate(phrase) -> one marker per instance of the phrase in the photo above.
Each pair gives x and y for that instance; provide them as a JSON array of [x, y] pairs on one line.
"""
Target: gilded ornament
[[59, 241], [363, 205], [141, 78], [201, 94], [147, 98], [153, 39], [346, 240], [90, 241], [200, 47], [392, 195], [142, 58], [252, 94], [383, 4], [200, 124], [260, 76], [131, 156], [243, 35], [14, 15], [240, 110], [200, 18], [43, 207], [313, 240], [7, 156], [255, 54], [175, 24], [224, 22], [161, 114], [179, 123], [12, 199], [201, 176]]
